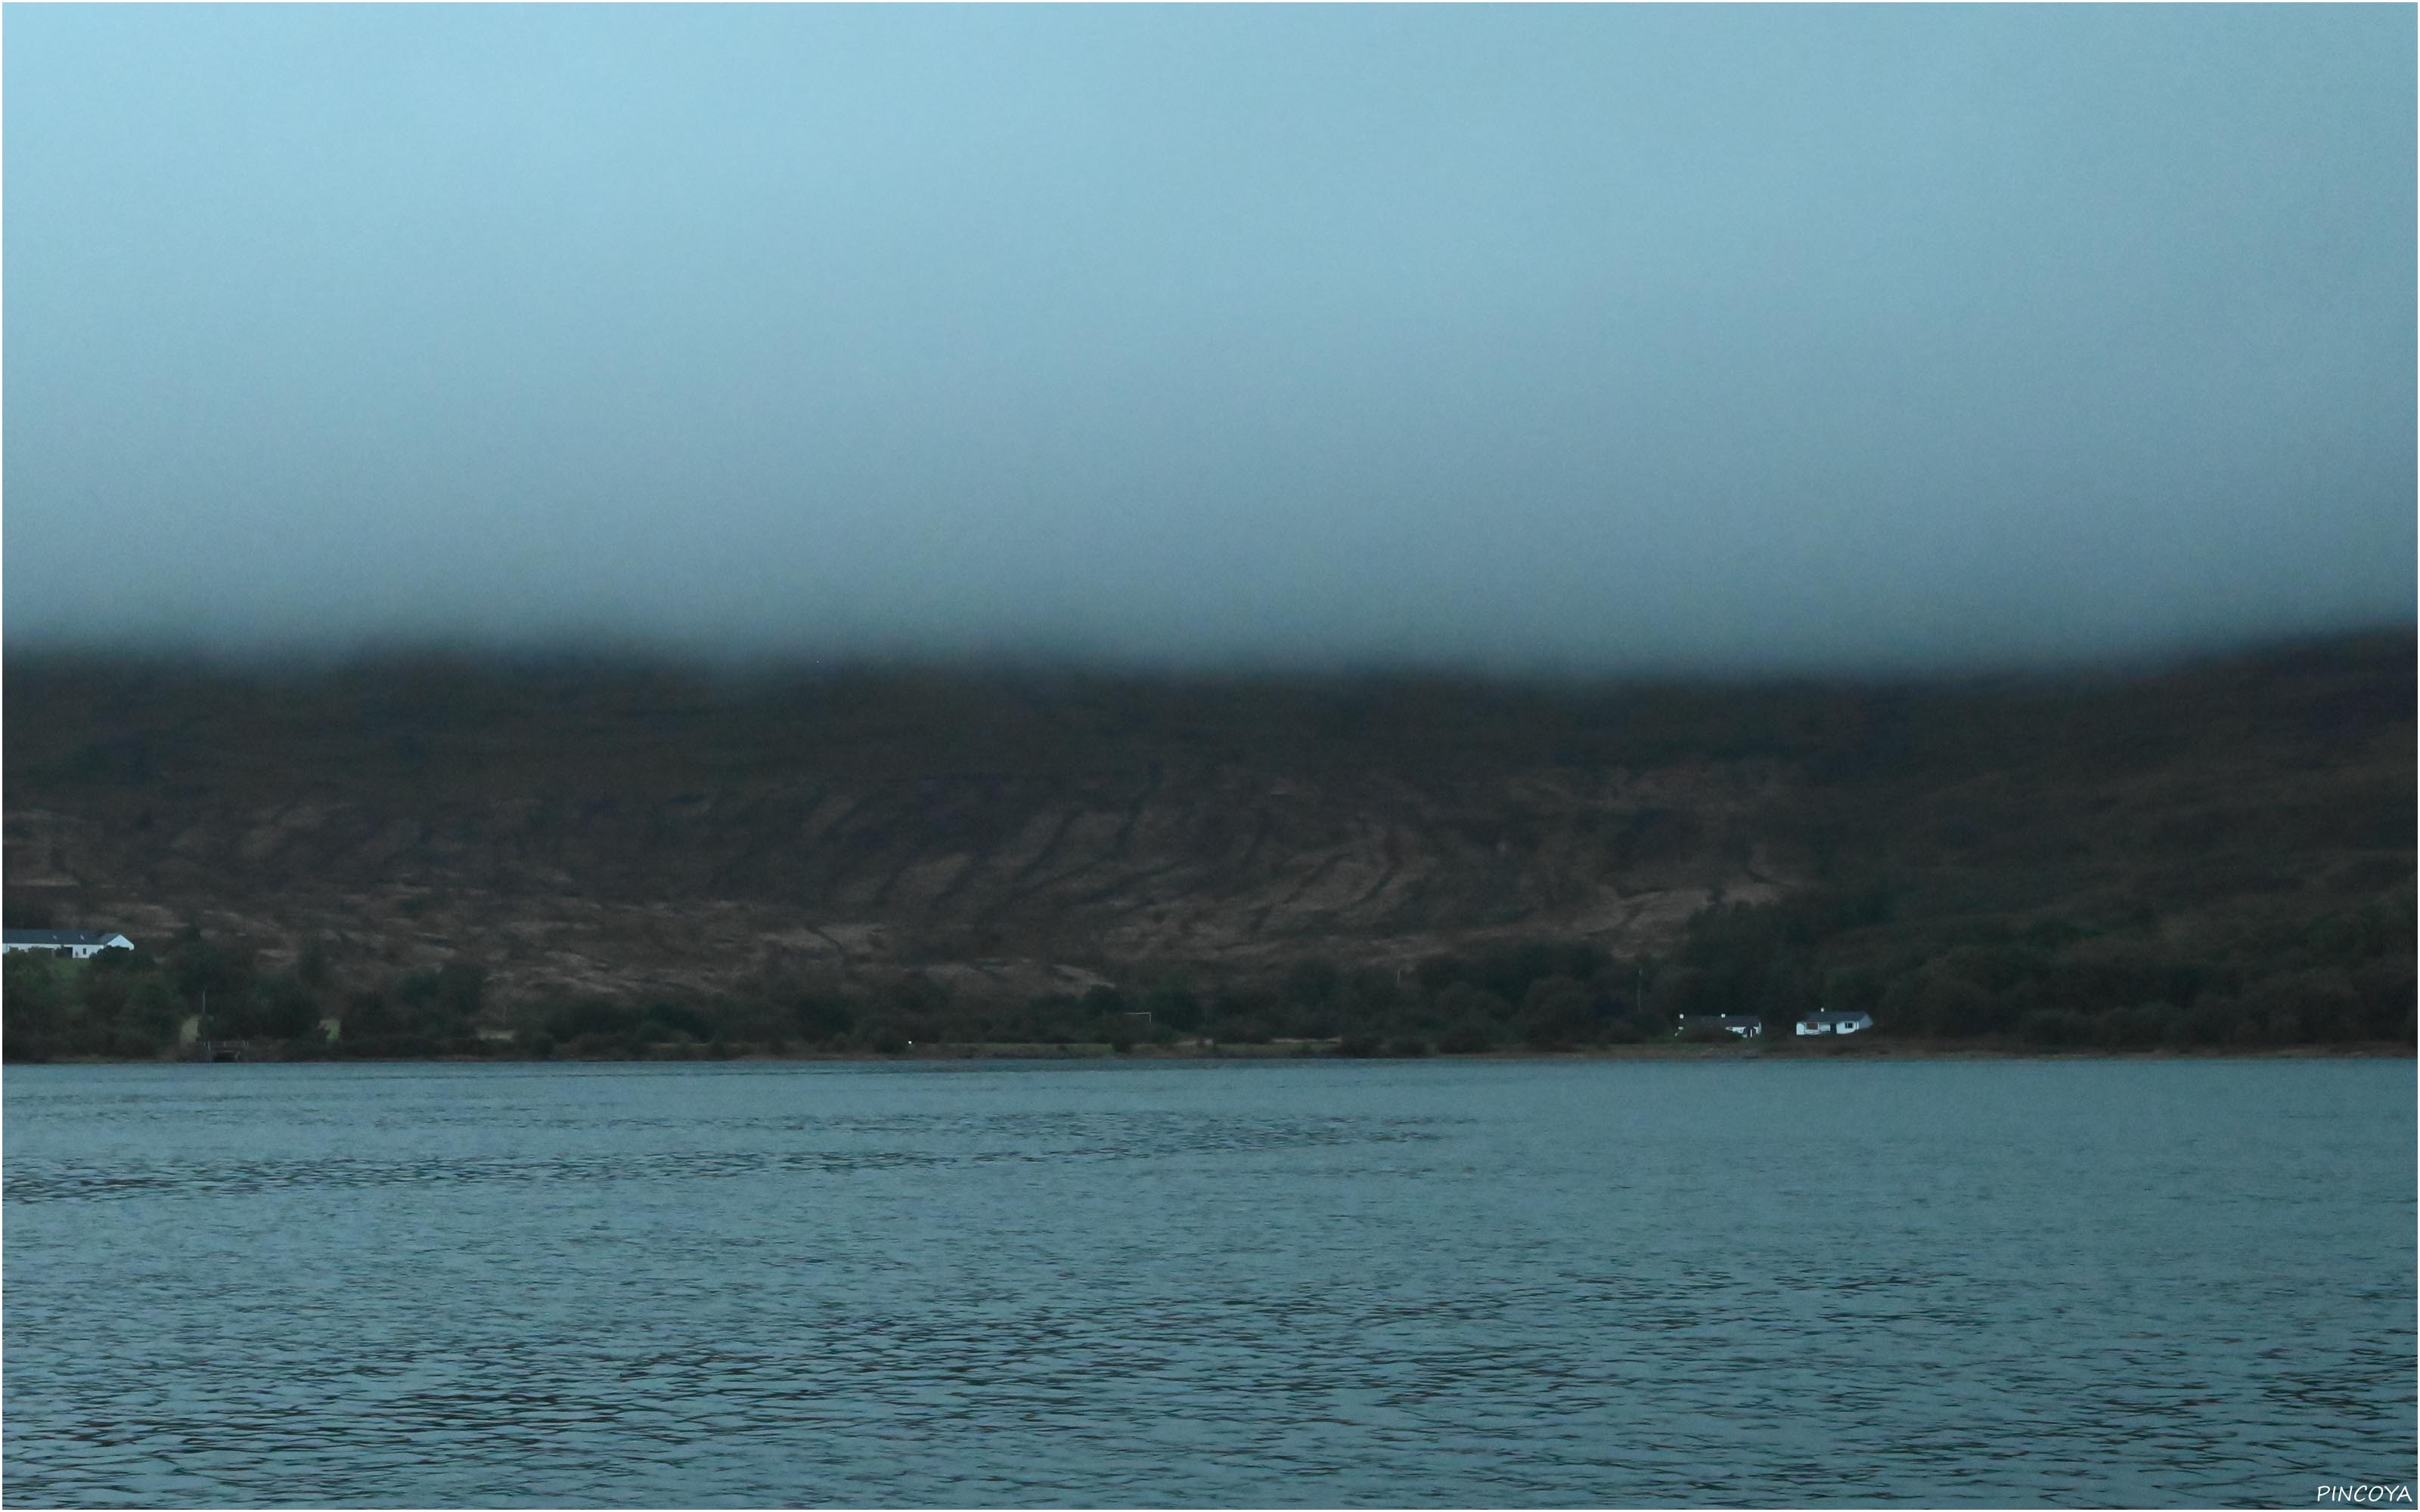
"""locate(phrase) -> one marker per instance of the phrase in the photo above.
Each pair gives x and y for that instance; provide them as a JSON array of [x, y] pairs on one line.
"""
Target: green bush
[[1463, 1002], [2055, 1028], [2305, 1005], [823, 1018], [1556, 1012], [1467, 1037], [279, 1008], [1935, 1002], [593, 1019], [675, 1023], [2211, 1021], [2138, 1027], [1173, 1009], [1314, 984]]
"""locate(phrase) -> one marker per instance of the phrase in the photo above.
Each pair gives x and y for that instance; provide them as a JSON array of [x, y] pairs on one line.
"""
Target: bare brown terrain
[[620, 827]]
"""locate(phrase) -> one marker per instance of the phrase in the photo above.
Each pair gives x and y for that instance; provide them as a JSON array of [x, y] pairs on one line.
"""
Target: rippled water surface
[[1402, 1283]]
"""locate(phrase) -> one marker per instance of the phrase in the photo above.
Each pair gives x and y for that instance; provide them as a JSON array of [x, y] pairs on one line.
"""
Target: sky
[[1614, 338]]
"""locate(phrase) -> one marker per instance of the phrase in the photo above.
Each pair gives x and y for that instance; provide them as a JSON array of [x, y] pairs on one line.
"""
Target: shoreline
[[1297, 1053]]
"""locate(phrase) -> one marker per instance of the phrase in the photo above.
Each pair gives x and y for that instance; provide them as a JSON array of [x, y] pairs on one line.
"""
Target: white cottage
[[1835, 1023], [78, 943]]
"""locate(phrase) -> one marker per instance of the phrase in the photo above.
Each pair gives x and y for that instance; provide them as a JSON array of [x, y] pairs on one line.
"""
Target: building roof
[[1725, 1019], [1830, 1017], [58, 937]]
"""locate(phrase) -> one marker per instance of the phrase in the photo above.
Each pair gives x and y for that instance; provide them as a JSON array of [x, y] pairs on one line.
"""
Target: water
[[1399, 1284]]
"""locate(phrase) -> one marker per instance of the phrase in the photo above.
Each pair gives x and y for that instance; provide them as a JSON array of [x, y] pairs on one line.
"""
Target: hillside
[[622, 830]]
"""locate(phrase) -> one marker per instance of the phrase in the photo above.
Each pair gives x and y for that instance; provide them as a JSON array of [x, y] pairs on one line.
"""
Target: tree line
[[2344, 976]]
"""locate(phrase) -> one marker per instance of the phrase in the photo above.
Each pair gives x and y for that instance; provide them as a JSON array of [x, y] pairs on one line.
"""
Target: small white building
[[78, 943], [1746, 1027], [1835, 1023]]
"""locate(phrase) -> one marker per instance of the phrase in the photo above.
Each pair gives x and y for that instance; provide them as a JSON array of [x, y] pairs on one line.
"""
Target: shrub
[[675, 1022], [1173, 1007], [1935, 1002], [1996, 968], [2100, 975], [593, 1019], [2137, 1028], [1439, 972], [2211, 1021], [2384, 990], [2306, 1005], [823, 1018], [1462, 1001], [280, 1008], [1555, 1011], [1312, 983], [2055, 1028], [1467, 1037], [462, 989]]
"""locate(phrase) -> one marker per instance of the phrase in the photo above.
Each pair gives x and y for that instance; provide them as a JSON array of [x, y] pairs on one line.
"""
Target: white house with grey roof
[[78, 943], [1835, 1023]]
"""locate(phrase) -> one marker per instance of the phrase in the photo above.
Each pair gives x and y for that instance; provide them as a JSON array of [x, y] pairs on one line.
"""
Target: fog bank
[[1620, 338]]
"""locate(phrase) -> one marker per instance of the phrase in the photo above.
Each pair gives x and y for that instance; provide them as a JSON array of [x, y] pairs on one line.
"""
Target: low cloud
[[1612, 338]]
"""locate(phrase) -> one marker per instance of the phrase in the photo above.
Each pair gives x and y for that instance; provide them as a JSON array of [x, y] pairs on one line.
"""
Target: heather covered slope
[[624, 830]]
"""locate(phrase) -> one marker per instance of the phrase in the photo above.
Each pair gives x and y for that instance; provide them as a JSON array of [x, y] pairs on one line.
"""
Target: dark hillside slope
[[626, 828]]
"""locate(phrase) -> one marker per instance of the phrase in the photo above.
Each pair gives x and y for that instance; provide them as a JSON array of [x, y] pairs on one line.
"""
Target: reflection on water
[[1328, 1284], [1034, 1139]]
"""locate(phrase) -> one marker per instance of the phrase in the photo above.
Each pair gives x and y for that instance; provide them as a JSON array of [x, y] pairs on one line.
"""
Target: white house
[[1834, 1023], [78, 943], [1745, 1025]]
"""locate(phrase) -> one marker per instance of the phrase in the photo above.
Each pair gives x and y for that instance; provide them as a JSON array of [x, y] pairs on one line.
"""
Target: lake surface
[[1233, 1285]]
